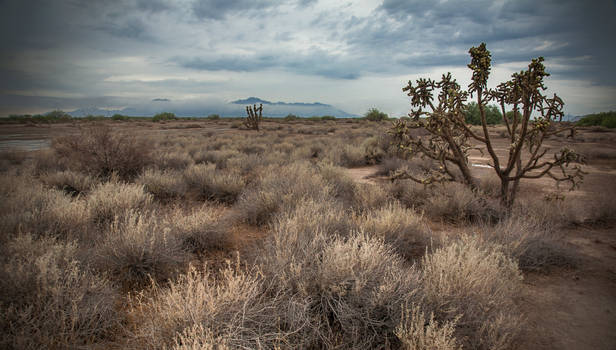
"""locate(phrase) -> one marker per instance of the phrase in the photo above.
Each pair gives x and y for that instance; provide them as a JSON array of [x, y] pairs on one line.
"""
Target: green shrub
[[472, 115], [163, 117], [374, 114], [605, 119], [119, 117], [290, 117], [213, 117]]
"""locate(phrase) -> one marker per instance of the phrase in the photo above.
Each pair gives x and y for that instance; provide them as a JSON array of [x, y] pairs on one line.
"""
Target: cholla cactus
[[449, 137], [253, 119]]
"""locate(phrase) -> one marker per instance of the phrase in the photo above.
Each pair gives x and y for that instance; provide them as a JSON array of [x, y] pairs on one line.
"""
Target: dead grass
[[208, 183], [50, 300], [101, 152], [112, 200], [138, 248], [475, 285]]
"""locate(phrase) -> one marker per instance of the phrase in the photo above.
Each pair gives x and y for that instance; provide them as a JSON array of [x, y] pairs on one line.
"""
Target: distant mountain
[[84, 112], [230, 109], [282, 109]]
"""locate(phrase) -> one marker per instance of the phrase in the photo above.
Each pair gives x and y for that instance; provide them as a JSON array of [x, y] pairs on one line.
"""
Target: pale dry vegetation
[[242, 239]]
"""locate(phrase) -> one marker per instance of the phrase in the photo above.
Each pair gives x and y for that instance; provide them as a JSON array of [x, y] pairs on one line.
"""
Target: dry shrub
[[209, 183], [368, 197], [164, 185], [46, 161], [138, 248], [48, 300], [418, 332], [198, 312], [352, 156], [476, 284], [27, 206], [279, 187], [218, 157], [172, 160], [70, 182], [100, 151], [457, 203], [354, 285], [342, 186], [401, 228], [410, 193], [115, 199], [200, 230], [535, 245], [553, 210], [11, 157]]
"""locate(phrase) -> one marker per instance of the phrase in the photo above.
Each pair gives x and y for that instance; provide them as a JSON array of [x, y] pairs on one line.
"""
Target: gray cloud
[[72, 47]]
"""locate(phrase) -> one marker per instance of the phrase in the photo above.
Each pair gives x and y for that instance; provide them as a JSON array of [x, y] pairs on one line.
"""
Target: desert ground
[[196, 234]]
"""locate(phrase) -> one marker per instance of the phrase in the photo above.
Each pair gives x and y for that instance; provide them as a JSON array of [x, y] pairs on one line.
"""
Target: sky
[[352, 54]]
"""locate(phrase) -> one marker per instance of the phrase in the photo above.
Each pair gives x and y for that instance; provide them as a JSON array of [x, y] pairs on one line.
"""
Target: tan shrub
[[418, 332], [343, 187], [71, 182], [369, 197], [209, 183], [279, 188], [401, 228], [535, 245], [455, 202], [410, 193], [200, 230], [100, 151], [164, 185], [197, 310], [173, 160], [27, 206], [137, 248], [477, 284], [115, 199], [48, 300]]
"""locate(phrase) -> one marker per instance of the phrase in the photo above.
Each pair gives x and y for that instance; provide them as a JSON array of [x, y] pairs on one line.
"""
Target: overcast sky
[[353, 54]]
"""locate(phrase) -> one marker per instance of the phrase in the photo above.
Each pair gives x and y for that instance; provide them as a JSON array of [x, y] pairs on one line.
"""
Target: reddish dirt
[[575, 309], [366, 174]]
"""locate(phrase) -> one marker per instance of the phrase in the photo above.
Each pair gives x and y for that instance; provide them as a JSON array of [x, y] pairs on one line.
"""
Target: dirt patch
[[576, 309], [366, 174]]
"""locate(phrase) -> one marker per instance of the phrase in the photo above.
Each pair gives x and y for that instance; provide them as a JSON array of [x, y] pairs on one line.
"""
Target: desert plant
[[474, 284], [138, 248], [113, 200], [375, 115], [209, 183], [253, 119], [163, 117], [473, 116], [449, 135], [49, 300], [100, 151]]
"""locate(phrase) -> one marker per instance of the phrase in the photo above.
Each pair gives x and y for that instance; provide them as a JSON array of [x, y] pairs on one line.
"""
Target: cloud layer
[[353, 54]]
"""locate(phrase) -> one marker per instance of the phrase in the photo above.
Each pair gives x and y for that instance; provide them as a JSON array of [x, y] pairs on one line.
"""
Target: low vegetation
[[222, 238]]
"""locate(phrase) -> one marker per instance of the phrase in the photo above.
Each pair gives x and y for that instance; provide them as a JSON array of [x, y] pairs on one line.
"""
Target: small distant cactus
[[253, 120]]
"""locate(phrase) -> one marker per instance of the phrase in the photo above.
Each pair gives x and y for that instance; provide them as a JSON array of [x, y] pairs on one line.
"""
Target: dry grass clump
[[401, 228], [11, 157], [279, 187], [139, 247], [534, 244], [475, 285], [342, 186], [218, 157], [164, 185], [172, 160], [70, 182], [368, 197], [48, 300], [354, 286], [201, 230], [208, 183], [418, 332], [455, 202], [101, 152], [27, 206], [115, 199], [199, 312], [46, 161], [410, 193]]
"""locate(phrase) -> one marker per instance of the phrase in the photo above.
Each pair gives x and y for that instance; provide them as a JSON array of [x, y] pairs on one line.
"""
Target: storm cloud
[[352, 54]]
